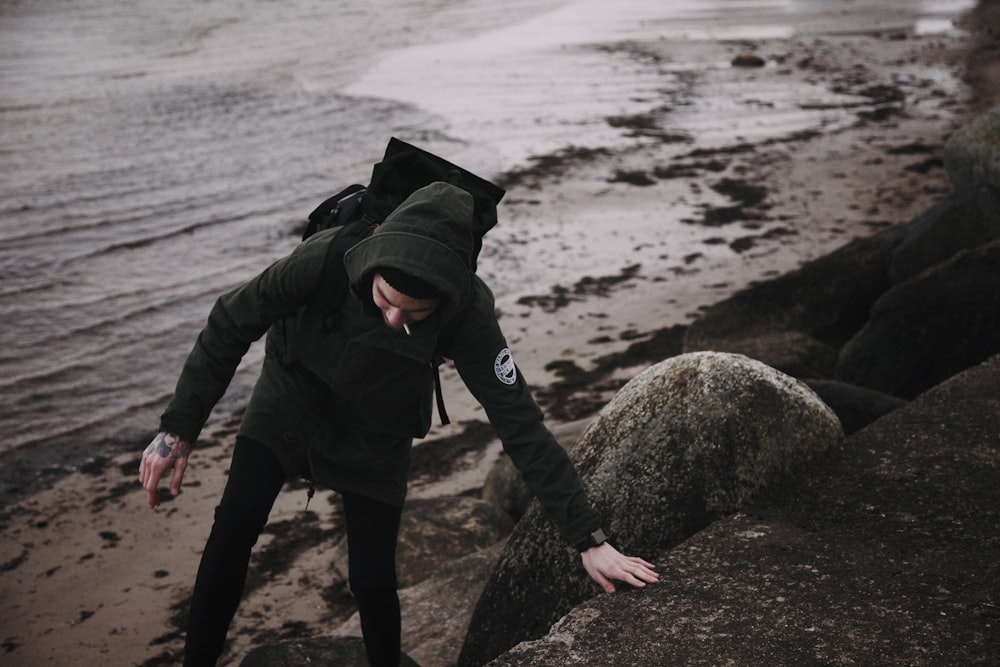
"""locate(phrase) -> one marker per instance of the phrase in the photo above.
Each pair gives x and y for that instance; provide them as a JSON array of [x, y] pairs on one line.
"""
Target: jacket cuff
[[167, 427]]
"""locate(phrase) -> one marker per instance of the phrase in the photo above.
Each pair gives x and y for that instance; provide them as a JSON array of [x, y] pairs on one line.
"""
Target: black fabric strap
[[439, 395]]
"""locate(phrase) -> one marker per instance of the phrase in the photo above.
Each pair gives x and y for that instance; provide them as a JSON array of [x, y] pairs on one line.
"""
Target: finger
[[647, 576], [639, 561], [152, 481], [145, 470], [644, 570], [632, 579], [178, 476], [598, 576], [637, 575], [604, 583]]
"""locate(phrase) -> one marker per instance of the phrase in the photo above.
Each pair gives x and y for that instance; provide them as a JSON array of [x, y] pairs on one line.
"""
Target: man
[[345, 386]]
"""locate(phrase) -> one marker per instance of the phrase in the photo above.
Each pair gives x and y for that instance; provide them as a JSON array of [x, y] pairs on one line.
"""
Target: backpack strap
[[444, 341], [336, 210], [335, 281], [439, 395]]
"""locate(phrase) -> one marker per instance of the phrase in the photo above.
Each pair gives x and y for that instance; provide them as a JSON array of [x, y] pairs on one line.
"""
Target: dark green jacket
[[341, 395]]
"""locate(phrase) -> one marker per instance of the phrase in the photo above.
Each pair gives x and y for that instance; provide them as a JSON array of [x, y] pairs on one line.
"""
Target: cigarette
[[406, 328]]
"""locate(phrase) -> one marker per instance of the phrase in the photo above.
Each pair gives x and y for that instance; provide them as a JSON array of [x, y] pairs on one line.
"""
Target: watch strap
[[594, 539]]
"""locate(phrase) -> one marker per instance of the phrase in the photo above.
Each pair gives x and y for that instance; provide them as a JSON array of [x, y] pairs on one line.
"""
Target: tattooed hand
[[165, 451]]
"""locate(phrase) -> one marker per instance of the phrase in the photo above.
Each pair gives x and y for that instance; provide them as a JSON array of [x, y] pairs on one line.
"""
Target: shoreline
[[578, 342]]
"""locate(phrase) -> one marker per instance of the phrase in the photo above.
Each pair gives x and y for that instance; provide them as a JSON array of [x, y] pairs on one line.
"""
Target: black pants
[[255, 478]]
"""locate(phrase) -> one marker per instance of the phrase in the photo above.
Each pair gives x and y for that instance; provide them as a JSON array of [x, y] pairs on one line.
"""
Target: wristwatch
[[595, 539]]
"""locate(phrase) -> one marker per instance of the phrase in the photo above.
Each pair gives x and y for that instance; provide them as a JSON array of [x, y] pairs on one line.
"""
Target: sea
[[156, 154]]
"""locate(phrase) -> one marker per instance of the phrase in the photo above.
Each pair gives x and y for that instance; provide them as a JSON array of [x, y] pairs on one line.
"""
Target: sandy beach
[[90, 575]]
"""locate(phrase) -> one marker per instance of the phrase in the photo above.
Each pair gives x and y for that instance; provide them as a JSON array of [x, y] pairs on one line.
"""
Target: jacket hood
[[430, 236]]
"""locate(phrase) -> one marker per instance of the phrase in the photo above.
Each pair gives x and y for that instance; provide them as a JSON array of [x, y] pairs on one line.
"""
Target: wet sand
[[91, 576]]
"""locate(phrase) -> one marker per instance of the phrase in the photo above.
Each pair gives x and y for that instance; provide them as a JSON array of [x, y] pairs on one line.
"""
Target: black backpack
[[359, 209], [404, 169]]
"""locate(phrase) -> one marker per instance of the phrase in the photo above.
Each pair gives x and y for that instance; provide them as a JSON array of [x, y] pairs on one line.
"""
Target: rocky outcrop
[[883, 551], [687, 441], [900, 312]]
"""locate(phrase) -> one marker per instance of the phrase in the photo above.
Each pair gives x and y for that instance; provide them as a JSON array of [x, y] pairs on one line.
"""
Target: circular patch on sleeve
[[504, 367]]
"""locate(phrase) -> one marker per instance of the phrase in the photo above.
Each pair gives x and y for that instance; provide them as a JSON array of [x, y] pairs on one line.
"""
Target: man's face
[[397, 308]]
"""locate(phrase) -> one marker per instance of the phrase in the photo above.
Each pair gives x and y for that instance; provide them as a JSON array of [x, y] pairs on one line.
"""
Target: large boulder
[[791, 352], [930, 327], [435, 617], [828, 300], [855, 406], [436, 612], [972, 154], [965, 219], [687, 441]]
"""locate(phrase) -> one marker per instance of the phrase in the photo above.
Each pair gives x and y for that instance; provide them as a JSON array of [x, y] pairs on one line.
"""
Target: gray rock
[[855, 406], [748, 60], [886, 554], [963, 220], [930, 327], [687, 441], [827, 299], [436, 531], [436, 612], [791, 352], [972, 154]]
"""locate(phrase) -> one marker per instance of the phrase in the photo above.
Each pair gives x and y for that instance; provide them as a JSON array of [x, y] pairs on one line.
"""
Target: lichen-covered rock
[[972, 154], [930, 327], [689, 440]]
